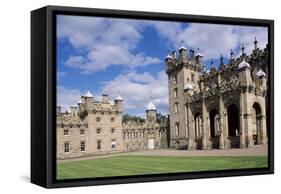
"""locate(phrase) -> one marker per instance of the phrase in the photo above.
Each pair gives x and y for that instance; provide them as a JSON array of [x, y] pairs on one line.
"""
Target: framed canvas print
[[126, 96]]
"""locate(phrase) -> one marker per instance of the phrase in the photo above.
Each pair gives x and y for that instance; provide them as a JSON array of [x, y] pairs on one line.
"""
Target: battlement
[[195, 61]]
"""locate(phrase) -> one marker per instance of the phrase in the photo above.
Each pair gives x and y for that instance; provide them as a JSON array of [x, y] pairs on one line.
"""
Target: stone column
[[242, 130], [221, 127], [248, 123], [205, 142], [263, 130], [191, 144], [227, 142]]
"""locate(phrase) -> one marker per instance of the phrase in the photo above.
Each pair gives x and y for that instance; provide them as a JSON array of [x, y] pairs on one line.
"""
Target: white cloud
[[103, 42], [212, 39], [67, 97], [137, 88]]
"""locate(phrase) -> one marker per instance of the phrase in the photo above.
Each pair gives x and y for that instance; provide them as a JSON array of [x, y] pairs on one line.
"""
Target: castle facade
[[224, 107], [221, 108], [96, 127]]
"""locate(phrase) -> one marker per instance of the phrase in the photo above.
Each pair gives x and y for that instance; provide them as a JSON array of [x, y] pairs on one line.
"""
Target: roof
[[243, 64], [260, 73], [182, 48], [188, 87], [168, 57], [150, 106], [199, 54], [119, 97], [88, 94]]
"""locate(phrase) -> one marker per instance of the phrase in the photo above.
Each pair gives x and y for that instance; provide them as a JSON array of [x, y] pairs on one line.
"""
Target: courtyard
[[161, 161]]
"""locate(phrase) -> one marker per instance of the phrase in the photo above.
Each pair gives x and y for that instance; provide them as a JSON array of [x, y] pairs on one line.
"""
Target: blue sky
[[109, 55]]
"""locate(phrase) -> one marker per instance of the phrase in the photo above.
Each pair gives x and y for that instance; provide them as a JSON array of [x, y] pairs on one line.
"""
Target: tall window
[[177, 129], [176, 92], [176, 107], [66, 147], [175, 79], [82, 131], [98, 130], [192, 77], [113, 144], [113, 130], [99, 144], [82, 146], [98, 119], [112, 119]]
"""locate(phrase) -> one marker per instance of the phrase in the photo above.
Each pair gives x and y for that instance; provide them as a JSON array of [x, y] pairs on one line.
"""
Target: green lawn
[[139, 165]]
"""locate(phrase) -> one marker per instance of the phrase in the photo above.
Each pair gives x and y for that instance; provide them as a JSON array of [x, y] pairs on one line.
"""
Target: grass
[[140, 165]]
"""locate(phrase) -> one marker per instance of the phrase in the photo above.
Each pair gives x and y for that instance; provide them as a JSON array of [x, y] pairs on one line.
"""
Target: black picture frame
[[43, 95]]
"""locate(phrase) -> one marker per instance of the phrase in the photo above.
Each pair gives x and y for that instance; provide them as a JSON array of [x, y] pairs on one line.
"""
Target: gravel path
[[255, 151]]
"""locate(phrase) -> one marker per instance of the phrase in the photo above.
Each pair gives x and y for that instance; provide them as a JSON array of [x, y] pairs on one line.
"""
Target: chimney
[[105, 99], [73, 111]]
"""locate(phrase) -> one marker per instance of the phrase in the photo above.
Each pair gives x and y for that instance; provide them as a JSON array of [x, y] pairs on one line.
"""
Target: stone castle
[[224, 107], [96, 127], [221, 108]]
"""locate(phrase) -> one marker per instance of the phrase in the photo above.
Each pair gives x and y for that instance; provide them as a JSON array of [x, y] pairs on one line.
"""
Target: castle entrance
[[233, 126], [214, 127]]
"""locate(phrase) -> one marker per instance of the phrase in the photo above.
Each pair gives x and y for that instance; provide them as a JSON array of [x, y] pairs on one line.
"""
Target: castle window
[[82, 131], [66, 132], [82, 146], [176, 92], [175, 79], [112, 119], [187, 79], [192, 77], [113, 130], [66, 147], [113, 144], [177, 129], [98, 130], [98, 119], [99, 144], [176, 107]]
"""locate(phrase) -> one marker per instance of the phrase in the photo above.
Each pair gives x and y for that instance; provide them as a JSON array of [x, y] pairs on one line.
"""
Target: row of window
[[137, 135], [82, 131], [83, 145], [176, 78], [112, 130], [98, 119], [66, 132]]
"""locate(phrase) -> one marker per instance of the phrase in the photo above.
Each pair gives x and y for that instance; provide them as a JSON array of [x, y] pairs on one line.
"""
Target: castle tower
[[151, 112], [183, 76]]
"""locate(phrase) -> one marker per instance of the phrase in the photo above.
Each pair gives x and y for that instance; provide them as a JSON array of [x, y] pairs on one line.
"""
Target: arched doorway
[[233, 126], [214, 127], [257, 124], [198, 130]]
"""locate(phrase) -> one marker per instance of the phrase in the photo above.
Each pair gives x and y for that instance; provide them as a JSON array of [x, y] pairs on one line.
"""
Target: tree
[[127, 117]]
